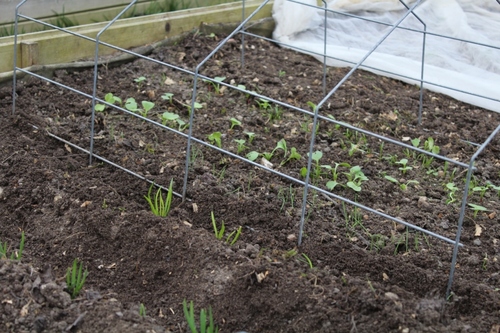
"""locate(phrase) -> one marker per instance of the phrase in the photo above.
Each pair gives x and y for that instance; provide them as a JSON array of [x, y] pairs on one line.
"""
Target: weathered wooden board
[[82, 12], [52, 47], [49, 8]]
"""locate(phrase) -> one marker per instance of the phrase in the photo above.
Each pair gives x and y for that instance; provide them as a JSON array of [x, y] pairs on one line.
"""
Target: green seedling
[[191, 320], [313, 106], [281, 73], [452, 189], [331, 184], [16, 255], [403, 186], [482, 191], [172, 118], [263, 104], [233, 236], [316, 173], [494, 187], [251, 137], [477, 209], [142, 310], [377, 242], [274, 113], [286, 196], [140, 81], [216, 83], [354, 148], [415, 142], [111, 99], [355, 178], [484, 266], [290, 253], [253, 155], [306, 259], [75, 279], [158, 205], [404, 167], [168, 97], [241, 145], [215, 138], [196, 106], [131, 105], [293, 156], [280, 145], [353, 220], [219, 233], [431, 147], [234, 122], [146, 107]]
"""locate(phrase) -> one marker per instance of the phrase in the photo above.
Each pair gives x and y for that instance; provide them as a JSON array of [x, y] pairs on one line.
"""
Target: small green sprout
[[431, 147], [403, 186], [142, 310], [481, 189], [99, 107], [404, 167], [355, 178], [191, 320], [281, 73], [215, 137], [146, 107], [233, 236], [251, 137], [253, 155], [168, 97], [75, 279], [274, 113], [170, 117], [16, 255], [294, 155], [452, 189], [219, 233], [234, 122], [131, 104], [140, 81], [316, 156], [241, 145], [282, 145], [158, 205], [477, 209], [496, 188], [196, 106], [313, 107], [263, 104], [111, 99], [216, 83], [331, 184], [415, 142], [306, 259], [484, 266]]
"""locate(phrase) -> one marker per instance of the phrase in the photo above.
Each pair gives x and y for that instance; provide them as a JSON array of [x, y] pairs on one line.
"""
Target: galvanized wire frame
[[315, 114]]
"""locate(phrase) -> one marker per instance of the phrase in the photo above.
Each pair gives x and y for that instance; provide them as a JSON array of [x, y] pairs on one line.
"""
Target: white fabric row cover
[[472, 67]]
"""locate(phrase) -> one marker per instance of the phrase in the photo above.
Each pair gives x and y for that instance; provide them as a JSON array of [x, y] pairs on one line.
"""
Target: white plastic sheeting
[[468, 67]]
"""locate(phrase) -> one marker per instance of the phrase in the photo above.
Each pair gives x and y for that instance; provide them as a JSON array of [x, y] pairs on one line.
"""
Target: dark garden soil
[[366, 273]]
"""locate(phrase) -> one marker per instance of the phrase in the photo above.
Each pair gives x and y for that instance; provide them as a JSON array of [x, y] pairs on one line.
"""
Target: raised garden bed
[[365, 273]]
